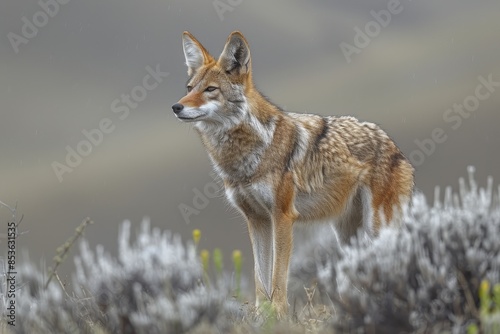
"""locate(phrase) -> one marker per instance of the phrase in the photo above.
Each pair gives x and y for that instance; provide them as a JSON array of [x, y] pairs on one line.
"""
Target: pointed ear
[[196, 55], [235, 57]]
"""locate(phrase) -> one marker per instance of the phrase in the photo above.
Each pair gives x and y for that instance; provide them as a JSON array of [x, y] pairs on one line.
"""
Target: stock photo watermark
[[11, 272], [121, 107], [454, 117], [363, 37], [200, 200], [30, 27], [9, 265], [223, 6]]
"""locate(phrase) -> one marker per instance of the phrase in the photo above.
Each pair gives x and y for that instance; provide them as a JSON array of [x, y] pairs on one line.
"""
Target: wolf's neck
[[236, 151]]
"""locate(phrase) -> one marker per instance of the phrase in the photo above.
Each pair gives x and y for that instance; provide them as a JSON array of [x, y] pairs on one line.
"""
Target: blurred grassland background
[[64, 80]]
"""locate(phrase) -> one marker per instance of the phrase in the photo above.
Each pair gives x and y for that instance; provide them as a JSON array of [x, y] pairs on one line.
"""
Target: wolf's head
[[216, 89]]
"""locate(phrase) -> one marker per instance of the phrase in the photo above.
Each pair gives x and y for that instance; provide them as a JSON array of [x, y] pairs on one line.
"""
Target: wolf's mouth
[[183, 118]]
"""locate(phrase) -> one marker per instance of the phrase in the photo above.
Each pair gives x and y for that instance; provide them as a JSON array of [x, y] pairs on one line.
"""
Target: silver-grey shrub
[[422, 278], [154, 286]]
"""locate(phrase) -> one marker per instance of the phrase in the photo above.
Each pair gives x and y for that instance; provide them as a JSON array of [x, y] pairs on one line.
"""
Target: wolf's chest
[[235, 165], [256, 199]]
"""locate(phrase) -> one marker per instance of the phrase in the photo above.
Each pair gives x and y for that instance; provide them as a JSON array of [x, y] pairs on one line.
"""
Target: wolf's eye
[[210, 89], [189, 88]]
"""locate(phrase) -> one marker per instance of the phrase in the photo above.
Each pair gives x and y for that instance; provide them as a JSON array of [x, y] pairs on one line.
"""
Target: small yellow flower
[[196, 236], [484, 296], [205, 256], [237, 260]]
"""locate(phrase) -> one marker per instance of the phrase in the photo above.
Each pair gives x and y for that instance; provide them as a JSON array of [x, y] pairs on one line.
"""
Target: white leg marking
[[262, 246]]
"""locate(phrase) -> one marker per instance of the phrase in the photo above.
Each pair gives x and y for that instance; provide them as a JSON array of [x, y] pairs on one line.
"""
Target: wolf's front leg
[[284, 217], [261, 236], [283, 238]]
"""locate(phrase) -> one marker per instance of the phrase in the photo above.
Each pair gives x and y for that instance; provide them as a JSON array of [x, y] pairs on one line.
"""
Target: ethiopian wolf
[[280, 167]]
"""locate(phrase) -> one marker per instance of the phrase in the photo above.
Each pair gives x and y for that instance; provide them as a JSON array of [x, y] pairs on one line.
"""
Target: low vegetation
[[440, 273]]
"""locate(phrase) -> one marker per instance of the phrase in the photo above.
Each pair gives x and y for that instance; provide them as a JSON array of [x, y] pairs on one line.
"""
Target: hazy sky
[[67, 73]]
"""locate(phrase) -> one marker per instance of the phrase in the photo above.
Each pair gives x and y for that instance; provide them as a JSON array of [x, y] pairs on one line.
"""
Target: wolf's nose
[[177, 108]]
